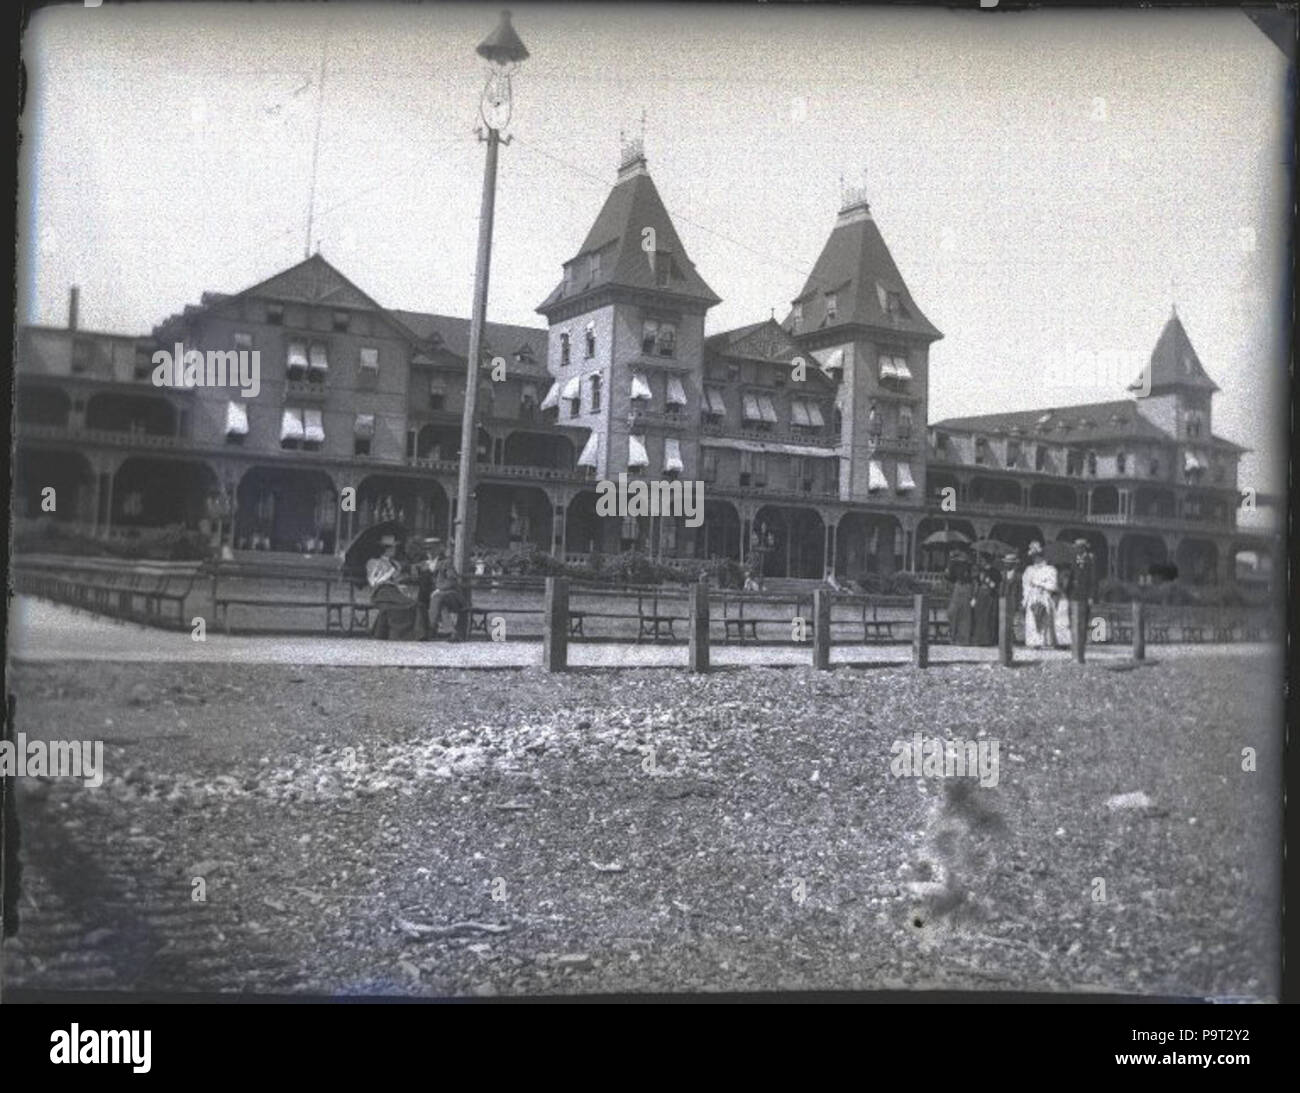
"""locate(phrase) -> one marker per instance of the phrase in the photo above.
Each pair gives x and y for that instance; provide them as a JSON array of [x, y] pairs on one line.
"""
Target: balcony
[[505, 470], [657, 418], [101, 436], [774, 490], [826, 438], [893, 443], [308, 389]]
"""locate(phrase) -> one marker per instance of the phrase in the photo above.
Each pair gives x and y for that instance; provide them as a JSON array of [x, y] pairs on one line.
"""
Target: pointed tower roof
[[856, 266], [1174, 363], [618, 237]]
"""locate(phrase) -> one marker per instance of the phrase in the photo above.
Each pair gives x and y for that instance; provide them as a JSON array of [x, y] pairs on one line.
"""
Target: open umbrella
[[945, 537], [993, 546], [369, 544]]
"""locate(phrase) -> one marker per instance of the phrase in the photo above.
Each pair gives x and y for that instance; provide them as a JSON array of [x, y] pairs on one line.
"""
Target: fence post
[[555, 625], [1006, 632], [1139, 630], [1078, 629], [699, 627], [822, 630], [921, 632]]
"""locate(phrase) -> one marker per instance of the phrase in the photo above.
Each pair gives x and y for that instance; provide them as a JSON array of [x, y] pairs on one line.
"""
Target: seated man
[[397, 616], [447, 596]]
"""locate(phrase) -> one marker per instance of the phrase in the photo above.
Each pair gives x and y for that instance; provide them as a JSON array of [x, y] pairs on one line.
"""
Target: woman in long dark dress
[[984, 622], [961, 576]]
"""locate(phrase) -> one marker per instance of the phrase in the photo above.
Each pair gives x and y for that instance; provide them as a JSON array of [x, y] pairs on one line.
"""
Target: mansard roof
[[618, 235], [1086, 423], [855, 265]]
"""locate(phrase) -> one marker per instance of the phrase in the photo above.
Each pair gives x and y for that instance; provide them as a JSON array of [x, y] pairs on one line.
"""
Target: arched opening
[[68, 474], [721, 530], [119, 413], [40, 405], [995, 491], [1053, 496], [1197, 561], [1153, 501], [1105, 501], [937, 485], [524, 449], [787, 543], [419, 504], [155, 493], [1017, 535], [1138, 553], [869, 544], [512, 518], [286, 509]]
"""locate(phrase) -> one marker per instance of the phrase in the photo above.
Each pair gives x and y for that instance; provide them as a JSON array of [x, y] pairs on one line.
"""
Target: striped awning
[[636, 453], [799, 413], [815, 415], [297, 357], [901, 371], [318, 362], [835, 360], [370, 358], [572, 388], [236, 418], [905, 480], [750, 409], [676, 393], [1192, 462], [716, 403], [640, 387], [313, 428], [673, 455], [291, 425], [766, 408], [736, 444], [876, 479], [590, 451], [552, 398]]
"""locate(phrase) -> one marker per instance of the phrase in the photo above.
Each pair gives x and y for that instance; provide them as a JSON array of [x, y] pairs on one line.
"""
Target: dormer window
[[1013, 453], [593, 266], [593, 385], [649, 335], [983, 454], [663, 262], [1040, 458], [798, 315], [1092, 464], [275, 314], [342, 320], [832, 306]]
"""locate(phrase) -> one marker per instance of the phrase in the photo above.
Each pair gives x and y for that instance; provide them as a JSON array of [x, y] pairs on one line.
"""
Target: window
[[1121, 463], [363, 434], [590, 333], [291, 428], [313, 430], [570, 278], [275, 314], [760, 469], [667, 343], [1013, 453], [593, 266], [236, 421], [649, 335], [370, 359], [1074, 462], [1092, 464], [296, 360], [82, 351], [904, 422], [733, 371], [1040, 458], [941, 445], [709, 464], [713, 408], [983, 454], [342, 320], [675, 395], [894, 303], [242, 340], [438, 393], [832, 306], [564, 347], [528, 401], [798, 315], [746, 468], [874, 422], [594, 386], [1154, 467], [318, 362]]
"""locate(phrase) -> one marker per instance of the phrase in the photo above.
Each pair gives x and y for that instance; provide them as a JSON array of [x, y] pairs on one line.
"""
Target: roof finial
[[631, 154], [1173, 295]]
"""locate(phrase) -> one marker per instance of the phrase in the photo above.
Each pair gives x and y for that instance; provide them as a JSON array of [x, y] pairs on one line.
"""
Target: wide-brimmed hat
[[1013, 557], [1035, 547], [1082, 543]]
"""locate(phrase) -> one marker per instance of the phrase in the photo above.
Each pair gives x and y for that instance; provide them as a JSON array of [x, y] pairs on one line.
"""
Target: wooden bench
[[653, 626], [1158, 633], [1226, 633], [1193, 633], [739, 625], [877, 630]]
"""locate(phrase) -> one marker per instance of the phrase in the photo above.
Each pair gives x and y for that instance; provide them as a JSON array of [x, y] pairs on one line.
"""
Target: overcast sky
[[1048, 184]]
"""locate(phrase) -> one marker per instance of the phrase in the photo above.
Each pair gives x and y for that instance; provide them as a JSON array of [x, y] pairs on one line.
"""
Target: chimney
[[74, 295]]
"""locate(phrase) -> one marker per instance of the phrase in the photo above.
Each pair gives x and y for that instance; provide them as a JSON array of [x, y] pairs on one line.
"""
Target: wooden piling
[[555, 625], [822, 630], [699, 627], [1139, 630], [921, 632]]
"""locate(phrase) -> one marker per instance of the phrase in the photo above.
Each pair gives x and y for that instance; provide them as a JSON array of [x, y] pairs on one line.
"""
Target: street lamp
[[503, 52]]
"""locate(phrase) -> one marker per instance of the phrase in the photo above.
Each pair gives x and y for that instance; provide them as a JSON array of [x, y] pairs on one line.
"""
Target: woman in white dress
[[1039, 593]]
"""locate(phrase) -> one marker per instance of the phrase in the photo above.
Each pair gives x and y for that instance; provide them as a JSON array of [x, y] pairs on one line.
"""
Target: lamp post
[[503, 52]]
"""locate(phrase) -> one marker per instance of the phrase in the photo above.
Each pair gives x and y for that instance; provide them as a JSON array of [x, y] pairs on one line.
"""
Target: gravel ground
[[477, 833]]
